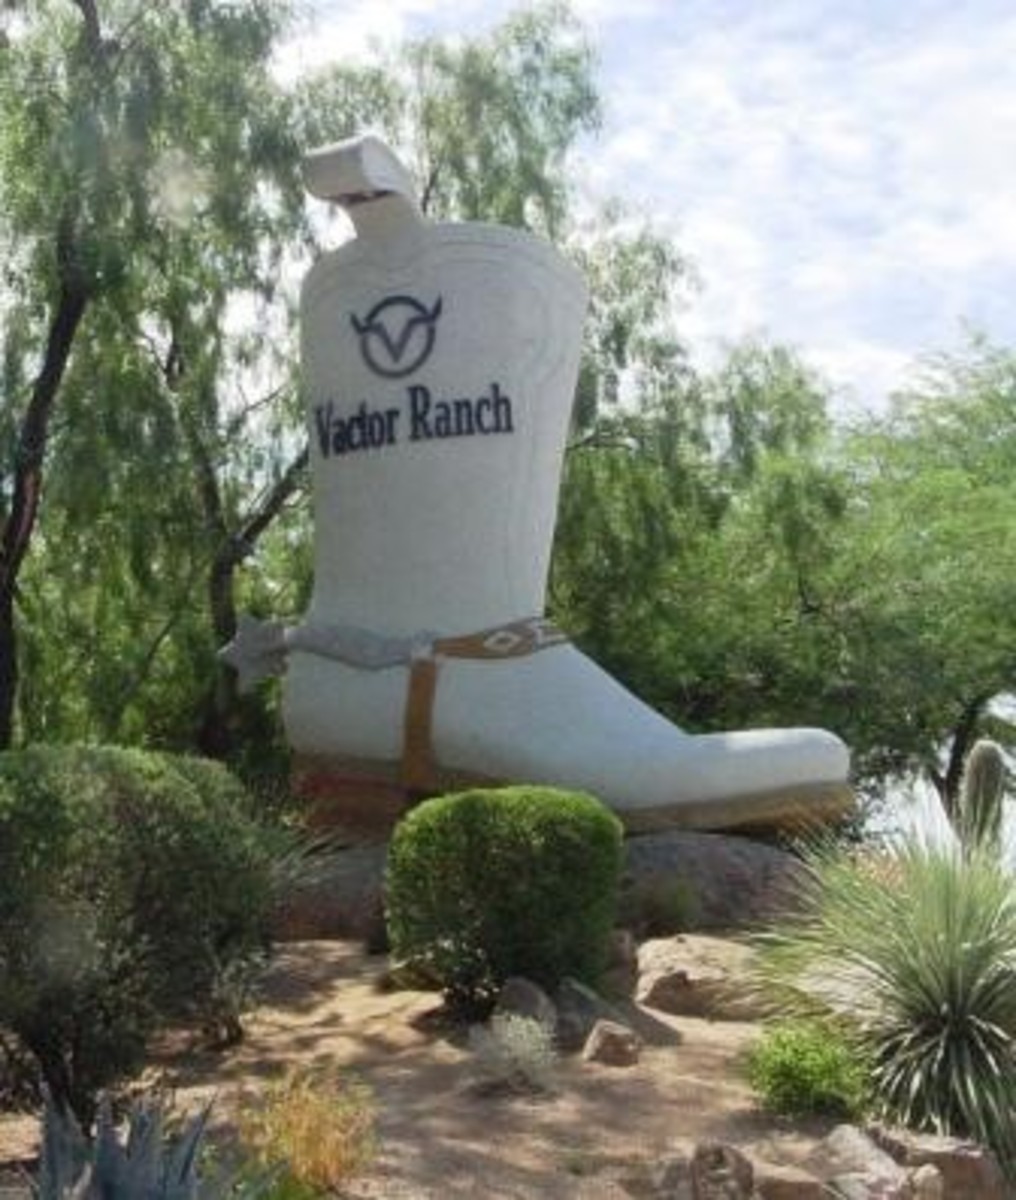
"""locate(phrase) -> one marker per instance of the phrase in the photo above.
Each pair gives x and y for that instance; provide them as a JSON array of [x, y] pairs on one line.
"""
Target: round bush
[[803, 1067], [134, 884], [512, 881]]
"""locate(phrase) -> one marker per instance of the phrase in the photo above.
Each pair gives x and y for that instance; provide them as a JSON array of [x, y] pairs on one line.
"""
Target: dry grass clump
[[317, 1128]]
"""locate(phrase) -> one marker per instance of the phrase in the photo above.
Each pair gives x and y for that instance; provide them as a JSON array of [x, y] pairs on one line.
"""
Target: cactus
[[147, 1167], [978, 818]]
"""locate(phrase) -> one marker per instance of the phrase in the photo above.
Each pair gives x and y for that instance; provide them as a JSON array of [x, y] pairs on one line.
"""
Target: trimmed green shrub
[[136, 888], [805, 1067], [916, 955], [511, 881]]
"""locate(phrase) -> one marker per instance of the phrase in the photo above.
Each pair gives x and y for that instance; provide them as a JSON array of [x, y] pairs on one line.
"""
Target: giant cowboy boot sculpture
[[439, 366]]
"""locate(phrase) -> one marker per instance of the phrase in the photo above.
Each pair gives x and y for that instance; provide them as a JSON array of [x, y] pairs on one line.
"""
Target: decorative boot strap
[[419, 767], [260, 648]]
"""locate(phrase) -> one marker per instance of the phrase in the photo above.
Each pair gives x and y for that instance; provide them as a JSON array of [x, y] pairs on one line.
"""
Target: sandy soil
[[437, 1138]]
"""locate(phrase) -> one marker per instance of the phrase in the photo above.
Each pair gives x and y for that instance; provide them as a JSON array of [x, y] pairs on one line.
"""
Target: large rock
[[337, 894], [693, 975], [578, 1010], [723, 882], [717, 881], [969, 1171], [774, 1182], [863, 1168], [522, 998]]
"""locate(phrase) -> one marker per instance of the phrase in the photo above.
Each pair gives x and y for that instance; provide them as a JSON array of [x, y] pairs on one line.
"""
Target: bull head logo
[[397, 335]]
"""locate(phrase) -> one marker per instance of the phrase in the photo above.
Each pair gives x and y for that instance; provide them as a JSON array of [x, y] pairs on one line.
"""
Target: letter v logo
[[397, 335]]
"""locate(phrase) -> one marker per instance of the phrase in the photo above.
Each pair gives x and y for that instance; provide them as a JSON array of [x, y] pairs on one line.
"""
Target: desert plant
[[977, 820], [150, 1165], [513, 881], [923, 970], [136, 890], [513, 1052], [805, 1067], [316, 1128]]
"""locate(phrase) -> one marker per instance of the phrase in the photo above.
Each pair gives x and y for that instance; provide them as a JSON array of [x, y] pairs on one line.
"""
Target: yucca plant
[[917, 962]]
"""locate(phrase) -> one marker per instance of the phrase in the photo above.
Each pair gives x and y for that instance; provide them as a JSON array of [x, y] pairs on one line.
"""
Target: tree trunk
[[16, 534], [216, 735], [8, 669]]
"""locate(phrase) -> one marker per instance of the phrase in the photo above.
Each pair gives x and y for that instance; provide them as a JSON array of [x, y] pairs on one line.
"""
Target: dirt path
[[321, 1007]]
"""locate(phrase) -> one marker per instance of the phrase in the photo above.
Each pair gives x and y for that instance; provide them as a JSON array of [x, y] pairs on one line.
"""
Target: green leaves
[[915, 953]]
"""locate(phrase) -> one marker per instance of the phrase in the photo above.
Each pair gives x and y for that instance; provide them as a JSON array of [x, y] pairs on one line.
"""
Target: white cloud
[[841, 174]]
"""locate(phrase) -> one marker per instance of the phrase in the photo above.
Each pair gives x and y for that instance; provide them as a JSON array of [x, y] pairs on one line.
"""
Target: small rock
[[695, 976], [721, 1172], [523, 998], [666, 1179], [969, 1171], [926, 1183], [612, 1044]]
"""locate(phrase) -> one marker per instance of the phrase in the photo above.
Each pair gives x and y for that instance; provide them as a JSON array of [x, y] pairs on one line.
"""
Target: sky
[[842, 174]]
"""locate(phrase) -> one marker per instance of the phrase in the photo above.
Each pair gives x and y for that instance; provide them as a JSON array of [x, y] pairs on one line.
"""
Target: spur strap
[[418, 770]]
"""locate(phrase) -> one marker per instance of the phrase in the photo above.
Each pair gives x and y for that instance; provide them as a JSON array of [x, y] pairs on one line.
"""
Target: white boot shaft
[[439, 366]]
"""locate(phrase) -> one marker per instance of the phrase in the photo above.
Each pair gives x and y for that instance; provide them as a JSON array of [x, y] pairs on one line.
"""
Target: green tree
[[927, 594], [148, 170]]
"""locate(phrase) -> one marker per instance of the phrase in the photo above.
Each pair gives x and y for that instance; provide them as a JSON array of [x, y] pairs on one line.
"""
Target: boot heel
[[365, 798]]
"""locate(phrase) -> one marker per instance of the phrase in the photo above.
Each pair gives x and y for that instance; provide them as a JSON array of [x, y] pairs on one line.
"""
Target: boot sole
[[364, 799]]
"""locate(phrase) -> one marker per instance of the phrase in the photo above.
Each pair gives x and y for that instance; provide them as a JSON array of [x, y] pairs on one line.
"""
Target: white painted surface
[[453, 534]]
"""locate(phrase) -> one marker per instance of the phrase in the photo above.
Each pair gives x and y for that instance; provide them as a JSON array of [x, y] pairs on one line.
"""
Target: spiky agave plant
[[148, 1165], [916, 960]]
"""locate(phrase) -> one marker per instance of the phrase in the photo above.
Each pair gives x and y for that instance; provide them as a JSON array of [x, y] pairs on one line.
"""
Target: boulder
[[774, 1182], [857, 1186], [926, 1183], [612, 1044], [721, 881], [860, 1163], [523, 998], [693, 975], [621, 974], [721, 1172], [578, 1010], [969, 1171], [337, 894]]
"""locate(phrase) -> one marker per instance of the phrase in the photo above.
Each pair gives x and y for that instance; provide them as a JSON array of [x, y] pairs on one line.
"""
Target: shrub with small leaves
[[492, 883], [317, 1129], [802, 1067], [136, 889], [514, 1053]]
